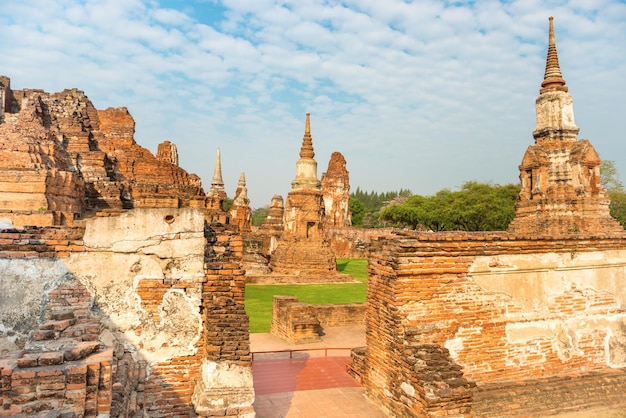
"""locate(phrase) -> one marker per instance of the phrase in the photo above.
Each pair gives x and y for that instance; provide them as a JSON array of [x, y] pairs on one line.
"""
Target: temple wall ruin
[[301, 323], [469, 313], [141, 282], [348, 242]]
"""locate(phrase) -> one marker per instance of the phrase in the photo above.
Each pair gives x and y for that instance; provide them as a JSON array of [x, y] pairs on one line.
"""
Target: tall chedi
[[302, 254], [560, 174]]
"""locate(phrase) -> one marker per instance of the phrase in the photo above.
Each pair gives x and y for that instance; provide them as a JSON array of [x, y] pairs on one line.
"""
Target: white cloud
[[419, 95]]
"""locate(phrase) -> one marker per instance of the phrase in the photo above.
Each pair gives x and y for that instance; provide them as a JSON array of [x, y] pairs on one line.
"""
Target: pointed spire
[[241, 194], [306, 151], [552, 79], [217, 184], [242, 180], [306, 166]]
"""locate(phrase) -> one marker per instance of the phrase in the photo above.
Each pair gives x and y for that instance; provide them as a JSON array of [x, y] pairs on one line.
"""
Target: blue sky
[[417, 95]]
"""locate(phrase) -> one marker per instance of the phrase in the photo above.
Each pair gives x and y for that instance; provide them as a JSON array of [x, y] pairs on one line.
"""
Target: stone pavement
[[309, 385]]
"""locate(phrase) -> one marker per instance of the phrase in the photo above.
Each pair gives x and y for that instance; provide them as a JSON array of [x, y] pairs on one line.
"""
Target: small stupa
[[560, 174]]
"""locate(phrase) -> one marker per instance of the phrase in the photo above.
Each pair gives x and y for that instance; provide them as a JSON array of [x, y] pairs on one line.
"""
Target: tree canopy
[[611, 182], [475, 207], [368, 205]]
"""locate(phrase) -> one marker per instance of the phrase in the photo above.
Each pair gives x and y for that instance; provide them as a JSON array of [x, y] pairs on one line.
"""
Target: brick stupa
[[216, 195], [560, 174], [336, 191], [240, 212], [302, 255]]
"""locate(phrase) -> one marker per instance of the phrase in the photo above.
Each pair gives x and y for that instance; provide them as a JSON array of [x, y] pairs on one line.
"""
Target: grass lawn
[[259, 297]]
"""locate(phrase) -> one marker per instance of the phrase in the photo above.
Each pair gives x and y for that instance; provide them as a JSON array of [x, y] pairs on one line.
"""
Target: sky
[[420, 95]]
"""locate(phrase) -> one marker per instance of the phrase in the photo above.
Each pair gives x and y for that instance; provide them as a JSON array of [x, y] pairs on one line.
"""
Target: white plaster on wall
[[534, 280]]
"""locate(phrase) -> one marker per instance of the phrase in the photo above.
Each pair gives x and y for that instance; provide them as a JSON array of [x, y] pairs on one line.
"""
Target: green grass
[[259, 297]]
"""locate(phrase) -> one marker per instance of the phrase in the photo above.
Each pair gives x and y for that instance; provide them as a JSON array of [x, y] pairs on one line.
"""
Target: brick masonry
[[141, 367], [300, 323], [452, 317]]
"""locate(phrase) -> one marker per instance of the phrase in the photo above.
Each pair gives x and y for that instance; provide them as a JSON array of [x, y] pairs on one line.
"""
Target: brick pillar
[[226, 386]]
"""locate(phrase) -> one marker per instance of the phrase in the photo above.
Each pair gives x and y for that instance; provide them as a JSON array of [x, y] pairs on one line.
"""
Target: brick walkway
[[309, 385], [313, 373]]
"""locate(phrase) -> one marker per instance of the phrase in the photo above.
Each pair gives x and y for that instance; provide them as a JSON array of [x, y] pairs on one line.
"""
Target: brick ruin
[[560, 175], [527, 322], [121, 295], [335, 186], [301, 323], [134, 279], [302, 253], [240, 212]]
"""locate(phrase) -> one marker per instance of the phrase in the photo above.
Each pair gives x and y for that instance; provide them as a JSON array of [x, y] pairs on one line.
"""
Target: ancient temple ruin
[[302, 254], [560, 174], [120, 294], [335, 186], [240, 212], [525, 322]]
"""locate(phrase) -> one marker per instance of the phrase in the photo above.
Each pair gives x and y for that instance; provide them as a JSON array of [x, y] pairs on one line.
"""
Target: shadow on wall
[[115, 322]]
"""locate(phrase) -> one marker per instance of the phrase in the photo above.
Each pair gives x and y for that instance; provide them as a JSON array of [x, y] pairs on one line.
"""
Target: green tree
[[484, 207], [259, 215], [611, 182], [227, 203], [618, 206], [357, 209], [374, 202], [609, 177], [475, 207]]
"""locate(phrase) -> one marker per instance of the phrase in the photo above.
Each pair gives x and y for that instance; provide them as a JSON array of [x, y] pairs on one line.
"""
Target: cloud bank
[[416, 95]]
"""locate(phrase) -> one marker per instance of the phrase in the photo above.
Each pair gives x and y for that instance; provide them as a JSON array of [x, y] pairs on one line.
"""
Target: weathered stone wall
[[497, 307], [351, 242], [166, 293], [71, 365], [300, 323]]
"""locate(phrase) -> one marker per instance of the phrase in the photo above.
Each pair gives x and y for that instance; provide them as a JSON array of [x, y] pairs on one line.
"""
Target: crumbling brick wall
[[498, 307], [166, 293], [300, 323]]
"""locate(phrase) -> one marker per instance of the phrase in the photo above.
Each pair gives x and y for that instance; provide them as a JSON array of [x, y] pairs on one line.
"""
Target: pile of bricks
[[63, 368]]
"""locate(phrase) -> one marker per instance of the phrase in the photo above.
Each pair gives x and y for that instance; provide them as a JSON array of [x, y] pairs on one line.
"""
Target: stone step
[[60, 315], [57, 325]]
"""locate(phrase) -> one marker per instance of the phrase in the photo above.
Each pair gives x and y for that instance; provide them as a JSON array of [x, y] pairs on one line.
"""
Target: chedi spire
[[306, 167], [306, 151], [553, 78], [554, 106], [217, 184]]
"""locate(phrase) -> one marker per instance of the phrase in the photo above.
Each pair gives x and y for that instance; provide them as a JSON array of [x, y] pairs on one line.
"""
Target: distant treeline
[[475, 206]]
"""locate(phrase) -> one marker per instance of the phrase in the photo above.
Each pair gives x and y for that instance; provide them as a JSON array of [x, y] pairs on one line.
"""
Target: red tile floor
[[309, 387], [306, 373], [311, 384]]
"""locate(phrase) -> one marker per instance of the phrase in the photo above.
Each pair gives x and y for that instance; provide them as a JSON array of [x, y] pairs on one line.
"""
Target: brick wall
[[66, 368], [499, 308], [301, 323], [187, 312], [352, 242]]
